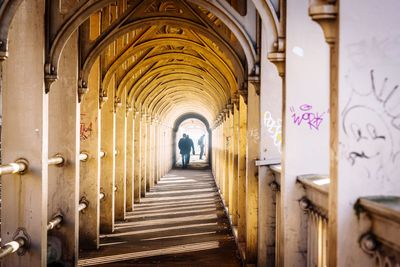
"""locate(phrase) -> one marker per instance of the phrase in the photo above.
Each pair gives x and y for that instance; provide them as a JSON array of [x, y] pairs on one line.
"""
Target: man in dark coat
[[184, 149], [190, 147]]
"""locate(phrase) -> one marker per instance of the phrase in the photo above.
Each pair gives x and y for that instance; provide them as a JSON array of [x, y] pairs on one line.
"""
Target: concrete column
[[89, 220], [253, 140], [365, 120], [226, 177], [144, 154], [107, 180], [305, 141], [153, 152], [120, 157], [149, 163], [242, 144], [270, 149], [64, 118], [221, 164], [213, 163], [156, 153], [234, 166], [130, 159], [218, 157], [25, 135], [138, 156]]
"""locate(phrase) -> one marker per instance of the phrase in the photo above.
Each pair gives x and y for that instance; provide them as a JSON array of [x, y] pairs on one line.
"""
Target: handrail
[[12, 247], [54, 222], [15, 167]]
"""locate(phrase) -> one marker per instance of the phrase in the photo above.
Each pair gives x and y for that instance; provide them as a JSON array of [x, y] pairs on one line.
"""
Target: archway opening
[[196, 133]]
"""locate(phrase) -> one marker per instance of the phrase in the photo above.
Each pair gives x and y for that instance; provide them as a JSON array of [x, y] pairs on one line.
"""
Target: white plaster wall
[[369, 149], [307, 120], [271, 103]]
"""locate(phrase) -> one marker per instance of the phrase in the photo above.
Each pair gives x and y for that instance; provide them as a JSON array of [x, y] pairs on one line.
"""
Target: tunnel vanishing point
[[300, 100]]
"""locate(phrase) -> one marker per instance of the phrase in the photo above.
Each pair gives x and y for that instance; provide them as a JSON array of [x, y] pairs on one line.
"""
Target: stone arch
[[179, 121]]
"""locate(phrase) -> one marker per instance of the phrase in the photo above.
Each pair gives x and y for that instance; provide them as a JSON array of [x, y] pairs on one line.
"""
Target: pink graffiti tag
[[85, 129], [307, 116]]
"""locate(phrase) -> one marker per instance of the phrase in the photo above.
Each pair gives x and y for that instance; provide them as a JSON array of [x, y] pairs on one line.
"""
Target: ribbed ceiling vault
[[173, 57]]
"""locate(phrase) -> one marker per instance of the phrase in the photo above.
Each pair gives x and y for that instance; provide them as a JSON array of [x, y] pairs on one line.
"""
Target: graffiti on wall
[[305, 115], [371, 123], [85, 128], [274, 128]]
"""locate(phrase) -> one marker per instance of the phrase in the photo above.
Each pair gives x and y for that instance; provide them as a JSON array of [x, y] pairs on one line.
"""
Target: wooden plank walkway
[[181, 222]]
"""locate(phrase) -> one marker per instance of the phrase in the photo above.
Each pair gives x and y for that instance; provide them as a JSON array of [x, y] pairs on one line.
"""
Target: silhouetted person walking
[[201, 144], [191, 146], [184, 147]]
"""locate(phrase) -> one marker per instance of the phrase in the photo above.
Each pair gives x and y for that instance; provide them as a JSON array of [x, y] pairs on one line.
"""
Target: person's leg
[[201, 151], [188, 158], [183, 160]]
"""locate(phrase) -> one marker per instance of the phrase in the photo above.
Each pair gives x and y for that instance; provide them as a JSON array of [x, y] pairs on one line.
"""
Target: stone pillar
[[138, 156], [156, 152], [305, 124], [153, 152], [120, 156], [89, 220], [252, 155], [364, 108], [242, 144], [64, 118], [234, 168], [225, 166], [144, 154], [25, 135], [130, 158], [107, 177], [149, 163], [271, 84]]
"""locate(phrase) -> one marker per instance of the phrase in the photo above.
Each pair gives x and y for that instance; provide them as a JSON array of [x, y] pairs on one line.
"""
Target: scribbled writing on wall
[[371, 122], [274, 128], [85, 128], [307, 116]]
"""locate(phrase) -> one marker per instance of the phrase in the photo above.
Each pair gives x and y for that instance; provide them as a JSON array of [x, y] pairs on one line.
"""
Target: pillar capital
[[324, 12], [236, 99], [230, 107], [103, 97], [255, 81], [129, 108], [117, 102], [278, 56], [243, 92]]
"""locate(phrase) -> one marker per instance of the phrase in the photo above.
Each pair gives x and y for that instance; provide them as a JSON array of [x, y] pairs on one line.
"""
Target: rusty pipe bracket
[[21, 236]]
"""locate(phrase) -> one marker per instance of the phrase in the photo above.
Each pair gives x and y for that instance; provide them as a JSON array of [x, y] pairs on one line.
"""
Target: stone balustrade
[[382, 241], [315, 204]]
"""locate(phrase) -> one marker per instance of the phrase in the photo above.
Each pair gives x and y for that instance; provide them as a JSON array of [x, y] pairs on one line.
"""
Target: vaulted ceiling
[[169, 57]]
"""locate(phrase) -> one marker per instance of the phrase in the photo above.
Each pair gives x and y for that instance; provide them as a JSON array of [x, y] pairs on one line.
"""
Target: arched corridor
[[292, 108]]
